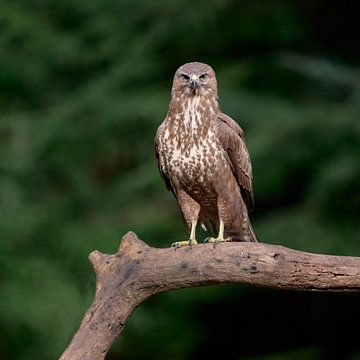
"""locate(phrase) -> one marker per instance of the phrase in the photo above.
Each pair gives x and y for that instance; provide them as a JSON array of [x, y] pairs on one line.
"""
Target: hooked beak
[[194, 81]]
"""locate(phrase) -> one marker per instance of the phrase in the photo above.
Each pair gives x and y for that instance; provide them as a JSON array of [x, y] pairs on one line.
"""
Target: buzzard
[[203, 159]]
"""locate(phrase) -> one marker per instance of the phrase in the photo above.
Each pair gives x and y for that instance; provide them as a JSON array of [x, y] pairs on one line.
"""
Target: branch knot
[[132, 245]]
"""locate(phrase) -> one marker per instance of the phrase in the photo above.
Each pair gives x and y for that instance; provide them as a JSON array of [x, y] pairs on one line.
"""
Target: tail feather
[[248, 235], [253, 235]]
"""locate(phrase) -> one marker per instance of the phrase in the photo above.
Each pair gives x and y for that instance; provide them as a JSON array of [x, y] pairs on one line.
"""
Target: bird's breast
[[195, 159]]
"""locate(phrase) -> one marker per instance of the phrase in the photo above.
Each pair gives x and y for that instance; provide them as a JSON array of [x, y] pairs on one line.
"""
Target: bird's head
[[194, 78]]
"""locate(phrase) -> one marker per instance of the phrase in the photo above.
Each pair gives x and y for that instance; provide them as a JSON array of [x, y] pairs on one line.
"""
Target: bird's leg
[[192, 239], [190, 210], [220, 237]]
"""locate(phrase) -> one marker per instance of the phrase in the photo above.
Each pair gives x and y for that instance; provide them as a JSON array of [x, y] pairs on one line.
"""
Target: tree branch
[[137, 271]]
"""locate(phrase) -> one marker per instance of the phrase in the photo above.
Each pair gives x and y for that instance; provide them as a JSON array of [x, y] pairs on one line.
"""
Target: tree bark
[[124, 280]]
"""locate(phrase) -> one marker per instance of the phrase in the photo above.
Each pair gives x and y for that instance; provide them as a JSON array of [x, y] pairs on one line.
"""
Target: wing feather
[[231, 136], [163, 174]]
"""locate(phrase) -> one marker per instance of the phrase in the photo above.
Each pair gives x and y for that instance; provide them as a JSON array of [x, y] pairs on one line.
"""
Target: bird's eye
[[203, 76], [185, 77]]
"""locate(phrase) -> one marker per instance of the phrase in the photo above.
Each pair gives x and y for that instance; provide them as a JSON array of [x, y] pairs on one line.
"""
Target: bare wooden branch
[[137, 271]]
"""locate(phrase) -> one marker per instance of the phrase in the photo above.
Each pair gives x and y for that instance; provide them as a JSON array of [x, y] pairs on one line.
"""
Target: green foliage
[[83, 87]]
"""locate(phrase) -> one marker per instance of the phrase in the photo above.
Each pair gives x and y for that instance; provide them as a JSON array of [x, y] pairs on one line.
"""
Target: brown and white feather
[[203, 159]]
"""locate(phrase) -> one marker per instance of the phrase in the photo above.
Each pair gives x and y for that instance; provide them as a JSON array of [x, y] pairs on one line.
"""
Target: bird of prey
[[203, 159]]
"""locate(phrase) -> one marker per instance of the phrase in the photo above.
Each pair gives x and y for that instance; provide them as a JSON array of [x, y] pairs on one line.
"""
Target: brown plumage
[[203, 159]]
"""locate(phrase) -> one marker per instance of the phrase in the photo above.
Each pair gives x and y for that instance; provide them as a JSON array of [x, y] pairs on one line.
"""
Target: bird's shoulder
[[227, 124], [160, 131]]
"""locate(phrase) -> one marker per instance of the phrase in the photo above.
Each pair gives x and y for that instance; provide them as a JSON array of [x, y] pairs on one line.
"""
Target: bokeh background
[[83, 88]]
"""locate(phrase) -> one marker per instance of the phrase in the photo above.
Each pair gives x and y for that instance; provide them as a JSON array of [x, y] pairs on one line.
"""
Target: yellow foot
[[189, 242], [217, 240]]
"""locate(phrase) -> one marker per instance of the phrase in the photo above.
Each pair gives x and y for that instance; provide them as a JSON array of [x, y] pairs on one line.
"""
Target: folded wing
[[231, 136]]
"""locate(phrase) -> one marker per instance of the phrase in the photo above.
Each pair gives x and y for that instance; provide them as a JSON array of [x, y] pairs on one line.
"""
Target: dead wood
[[124, 280]]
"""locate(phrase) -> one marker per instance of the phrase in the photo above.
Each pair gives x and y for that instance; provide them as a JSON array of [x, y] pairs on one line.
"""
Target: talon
[[179, 244], [175, 245], [192, 242], [216, 240]]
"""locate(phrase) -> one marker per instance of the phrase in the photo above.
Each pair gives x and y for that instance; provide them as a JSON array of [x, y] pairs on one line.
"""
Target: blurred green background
[[84, 86]]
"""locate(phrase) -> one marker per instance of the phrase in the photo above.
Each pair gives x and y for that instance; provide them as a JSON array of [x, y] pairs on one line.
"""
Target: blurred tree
[[83, 87]]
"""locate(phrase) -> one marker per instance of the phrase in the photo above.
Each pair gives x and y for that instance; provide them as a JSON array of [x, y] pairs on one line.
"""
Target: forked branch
[[137, 271]]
